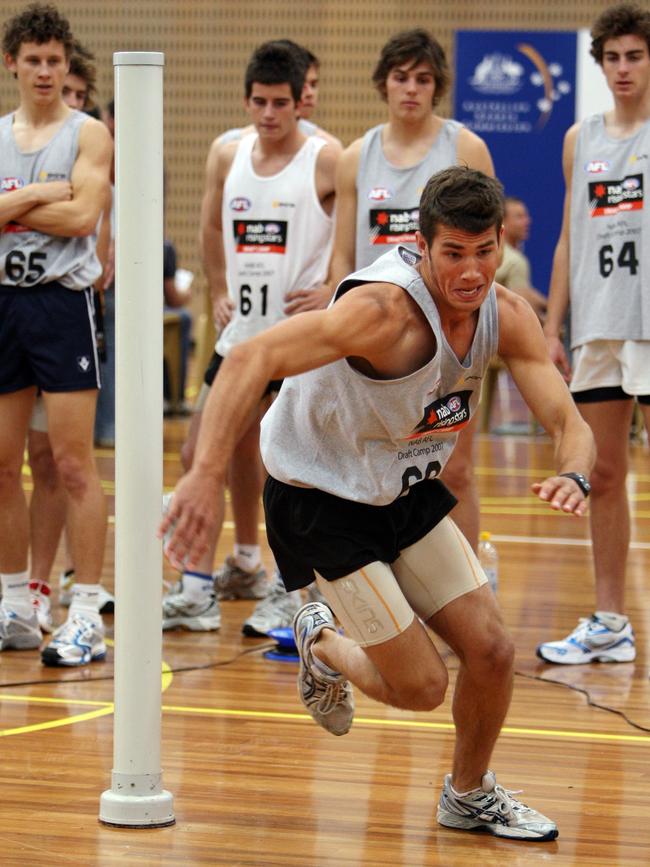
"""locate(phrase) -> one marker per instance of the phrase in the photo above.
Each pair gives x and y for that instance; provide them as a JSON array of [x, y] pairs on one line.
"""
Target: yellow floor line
[[103, 708]]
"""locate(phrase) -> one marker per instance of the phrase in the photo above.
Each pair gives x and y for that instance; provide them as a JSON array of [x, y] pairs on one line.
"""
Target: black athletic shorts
[[309, 530], [215, 363], [606, 393], [47, 339]]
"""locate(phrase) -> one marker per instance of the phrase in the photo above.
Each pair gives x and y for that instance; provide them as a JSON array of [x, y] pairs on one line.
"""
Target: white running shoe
[[18, 632], [591, 641], [196, 616], [327, 697], [276, 611], [40, 593], [68, 579], [493, 809], [78, 641], [231, 582]]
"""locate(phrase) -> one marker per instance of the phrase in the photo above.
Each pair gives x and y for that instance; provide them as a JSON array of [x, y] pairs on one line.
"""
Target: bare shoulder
[[383, 307], [94, 136], [473, 152]]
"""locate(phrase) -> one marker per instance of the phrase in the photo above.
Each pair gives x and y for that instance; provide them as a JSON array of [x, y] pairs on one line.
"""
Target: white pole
[[136, 797]]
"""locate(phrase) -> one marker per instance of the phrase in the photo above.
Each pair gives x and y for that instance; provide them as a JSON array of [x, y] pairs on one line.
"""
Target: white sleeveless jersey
[[29, 258], [388, 196], [306, 127], [610, 235], [370, 440], [276, 237]]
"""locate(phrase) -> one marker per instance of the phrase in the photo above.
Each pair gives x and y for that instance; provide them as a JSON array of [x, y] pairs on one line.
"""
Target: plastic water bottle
[[488, 557]]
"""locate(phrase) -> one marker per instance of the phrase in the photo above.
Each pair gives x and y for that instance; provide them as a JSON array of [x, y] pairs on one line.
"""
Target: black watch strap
[[581, 481]]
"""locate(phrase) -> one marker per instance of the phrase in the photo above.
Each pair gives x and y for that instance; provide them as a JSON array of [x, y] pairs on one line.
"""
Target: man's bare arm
[[522, 347], [15, 203], [90, 181], [558, 296], [345, 233], [218, 164]]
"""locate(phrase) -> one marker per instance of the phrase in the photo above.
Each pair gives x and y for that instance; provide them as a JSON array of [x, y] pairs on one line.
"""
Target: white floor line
[[545, 540]]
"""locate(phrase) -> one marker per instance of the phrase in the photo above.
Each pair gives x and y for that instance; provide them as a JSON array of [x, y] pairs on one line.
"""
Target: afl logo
[[595, 167], [379, 194], [631, 184], [454, 404], [240, 204], [9, 184]]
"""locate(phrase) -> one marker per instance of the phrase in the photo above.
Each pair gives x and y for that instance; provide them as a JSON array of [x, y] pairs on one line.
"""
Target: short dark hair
[[414, 46], [38, 23], [82, 65], [462, 198], [626, 19], [304, 55], [272, 63]]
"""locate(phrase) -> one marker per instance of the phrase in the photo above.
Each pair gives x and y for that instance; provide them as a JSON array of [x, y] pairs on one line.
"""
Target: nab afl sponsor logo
[[9, 184], [631, 184], [379, 194], [240, 203], [446, 415], [454, 404], [597, 167]]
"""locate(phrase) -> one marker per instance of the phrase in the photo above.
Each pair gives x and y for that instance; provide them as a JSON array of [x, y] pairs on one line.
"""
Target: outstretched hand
[[562, 494], [192, 514]]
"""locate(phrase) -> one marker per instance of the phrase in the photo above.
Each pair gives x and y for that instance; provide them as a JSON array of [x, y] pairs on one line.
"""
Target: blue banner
[[516, 89]]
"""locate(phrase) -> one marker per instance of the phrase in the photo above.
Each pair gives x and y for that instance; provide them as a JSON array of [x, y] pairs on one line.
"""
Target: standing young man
[[514, 270], [376, 389], [274, 195], [602, 266], [54, 167]]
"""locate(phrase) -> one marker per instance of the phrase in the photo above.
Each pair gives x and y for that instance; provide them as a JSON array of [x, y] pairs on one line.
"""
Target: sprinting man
[[376, 389]]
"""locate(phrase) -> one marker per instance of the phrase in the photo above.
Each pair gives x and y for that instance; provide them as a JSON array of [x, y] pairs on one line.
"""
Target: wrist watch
[[581, 481]]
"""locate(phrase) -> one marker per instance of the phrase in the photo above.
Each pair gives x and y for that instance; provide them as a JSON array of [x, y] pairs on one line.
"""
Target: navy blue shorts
[[47, 339], [213, 368]]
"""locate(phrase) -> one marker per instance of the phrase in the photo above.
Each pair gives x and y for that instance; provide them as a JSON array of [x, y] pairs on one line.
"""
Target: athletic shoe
[[275, 612], [591, 641], [78, 641], [202, 616], [493, 809], [40, 593], [327, 697], [18, 632], [67, 580], [231, 582]]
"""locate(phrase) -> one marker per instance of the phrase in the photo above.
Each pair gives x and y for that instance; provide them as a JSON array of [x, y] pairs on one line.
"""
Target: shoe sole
[[602, 656], [194, 624], [50, 658], [456, 823]]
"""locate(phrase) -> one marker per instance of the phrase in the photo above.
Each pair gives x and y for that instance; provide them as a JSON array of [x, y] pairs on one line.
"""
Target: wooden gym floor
[[256, 782]]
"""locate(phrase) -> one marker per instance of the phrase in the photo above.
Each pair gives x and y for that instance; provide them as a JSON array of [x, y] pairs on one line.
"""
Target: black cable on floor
[[587, 695], [179, 670]]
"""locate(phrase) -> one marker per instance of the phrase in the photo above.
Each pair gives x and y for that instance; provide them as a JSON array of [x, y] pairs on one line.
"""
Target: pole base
[[136, 811]]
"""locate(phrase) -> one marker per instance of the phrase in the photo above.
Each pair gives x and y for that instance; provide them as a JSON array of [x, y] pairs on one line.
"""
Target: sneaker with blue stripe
[[494, 810], [326, 694], [591, 641], [78, 641]]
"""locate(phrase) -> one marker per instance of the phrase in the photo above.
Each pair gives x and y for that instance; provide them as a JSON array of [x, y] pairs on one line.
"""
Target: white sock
[[15, 592], [248, 557], [612, 620], [197, 586], [85, 601]]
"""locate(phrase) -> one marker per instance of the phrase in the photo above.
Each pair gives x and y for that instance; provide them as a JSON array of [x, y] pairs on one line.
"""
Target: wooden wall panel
[[207, 44]]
